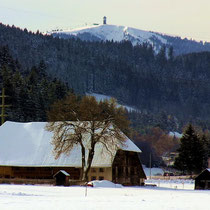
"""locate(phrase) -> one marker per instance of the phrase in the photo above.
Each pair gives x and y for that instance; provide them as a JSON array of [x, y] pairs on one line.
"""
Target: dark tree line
[[135, 75], [194, 151], [30, 92]]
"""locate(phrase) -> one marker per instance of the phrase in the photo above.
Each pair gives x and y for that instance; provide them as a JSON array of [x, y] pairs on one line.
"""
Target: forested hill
[[152, 83], [29, 93]]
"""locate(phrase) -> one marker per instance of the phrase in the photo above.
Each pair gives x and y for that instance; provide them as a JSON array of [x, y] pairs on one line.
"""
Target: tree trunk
[[83, 163], [89, 161]]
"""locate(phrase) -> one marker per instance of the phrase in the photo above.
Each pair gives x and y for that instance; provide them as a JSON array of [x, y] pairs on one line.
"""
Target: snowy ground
[[29, 197]]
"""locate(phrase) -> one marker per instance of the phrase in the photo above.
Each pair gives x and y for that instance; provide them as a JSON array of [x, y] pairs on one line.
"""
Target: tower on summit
[[104, 20]]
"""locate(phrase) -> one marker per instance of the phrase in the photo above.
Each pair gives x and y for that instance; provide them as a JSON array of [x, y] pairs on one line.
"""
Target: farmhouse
[[26, 152]]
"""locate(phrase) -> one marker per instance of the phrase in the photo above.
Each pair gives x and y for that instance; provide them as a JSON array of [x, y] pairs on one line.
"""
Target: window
[[93, 170], [101, 178], [101, 169], [93, 178]]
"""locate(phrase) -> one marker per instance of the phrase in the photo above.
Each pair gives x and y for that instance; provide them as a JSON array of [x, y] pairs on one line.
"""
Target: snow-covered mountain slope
[[136, 36], [115, 33]]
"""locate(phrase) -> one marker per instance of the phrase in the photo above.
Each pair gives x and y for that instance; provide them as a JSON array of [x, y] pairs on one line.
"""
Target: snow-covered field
[[31, 197]]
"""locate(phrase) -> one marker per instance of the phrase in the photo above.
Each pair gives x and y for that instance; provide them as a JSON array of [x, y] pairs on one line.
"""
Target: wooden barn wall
[[36, 172], [127, 169]]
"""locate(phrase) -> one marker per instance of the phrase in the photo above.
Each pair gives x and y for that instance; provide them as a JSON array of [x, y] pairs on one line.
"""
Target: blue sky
[[185, 18]]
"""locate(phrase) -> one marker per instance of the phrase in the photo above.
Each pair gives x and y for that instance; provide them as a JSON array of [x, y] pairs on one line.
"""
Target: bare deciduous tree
[[86, 122]]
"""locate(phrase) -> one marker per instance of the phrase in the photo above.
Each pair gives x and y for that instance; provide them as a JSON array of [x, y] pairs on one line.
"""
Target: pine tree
[[206, 144], [191, 152]]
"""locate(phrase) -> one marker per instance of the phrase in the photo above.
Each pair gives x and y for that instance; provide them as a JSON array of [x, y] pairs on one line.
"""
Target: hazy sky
[[185, 18]]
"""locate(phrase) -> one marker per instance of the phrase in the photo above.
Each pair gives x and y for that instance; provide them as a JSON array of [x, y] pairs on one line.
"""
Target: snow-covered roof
[[63, 172], [29, 144]]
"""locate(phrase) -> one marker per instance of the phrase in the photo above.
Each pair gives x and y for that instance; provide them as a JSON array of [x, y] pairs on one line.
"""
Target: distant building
[[202, 181], [104, 20], [62, 178], [169, 158]]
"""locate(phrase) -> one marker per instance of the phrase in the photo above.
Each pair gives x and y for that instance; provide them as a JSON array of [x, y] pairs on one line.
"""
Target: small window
[[101, 178], [101, 169], [93, 178], [93, 170]]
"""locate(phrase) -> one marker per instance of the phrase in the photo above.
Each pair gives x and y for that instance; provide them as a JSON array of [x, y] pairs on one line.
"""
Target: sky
[[184, 18]]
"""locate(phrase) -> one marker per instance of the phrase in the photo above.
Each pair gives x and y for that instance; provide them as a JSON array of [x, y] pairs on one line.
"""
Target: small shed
[[62, 178], [202, 181]]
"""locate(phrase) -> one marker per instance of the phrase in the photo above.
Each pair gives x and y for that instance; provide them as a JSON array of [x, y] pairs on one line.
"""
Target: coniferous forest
[[159, 85], [167, 91], [29, 92]]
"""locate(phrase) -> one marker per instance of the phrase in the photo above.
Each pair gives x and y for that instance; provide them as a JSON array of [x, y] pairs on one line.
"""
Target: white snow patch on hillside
[[176, 134], [101, 97]]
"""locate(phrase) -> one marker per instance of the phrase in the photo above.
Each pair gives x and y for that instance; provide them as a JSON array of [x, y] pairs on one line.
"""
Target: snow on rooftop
[[63, 172], [29, 144]]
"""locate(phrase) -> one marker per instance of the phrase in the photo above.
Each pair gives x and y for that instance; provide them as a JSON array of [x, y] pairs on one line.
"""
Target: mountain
[[114, 33], [135, 36], [162, 86]]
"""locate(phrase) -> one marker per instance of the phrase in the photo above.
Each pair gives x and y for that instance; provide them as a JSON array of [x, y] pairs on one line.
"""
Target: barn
[[26, 152], [202, 181]]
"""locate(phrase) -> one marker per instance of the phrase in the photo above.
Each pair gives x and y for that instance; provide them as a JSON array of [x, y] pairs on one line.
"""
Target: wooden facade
[[62, 178], [31, 157], [36, 172], [202, 181], [126, 169]]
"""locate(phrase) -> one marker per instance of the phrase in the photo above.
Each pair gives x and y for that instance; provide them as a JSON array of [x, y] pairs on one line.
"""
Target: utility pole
[[3, 106], [150, 165]]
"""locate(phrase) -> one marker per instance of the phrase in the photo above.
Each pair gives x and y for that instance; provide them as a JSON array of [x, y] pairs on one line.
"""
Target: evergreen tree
[[191, 152], [204, 141]]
